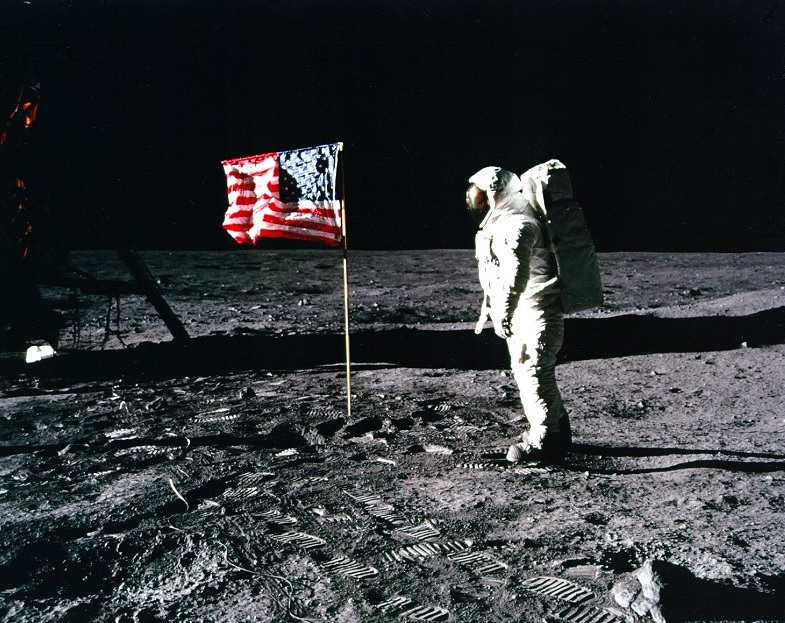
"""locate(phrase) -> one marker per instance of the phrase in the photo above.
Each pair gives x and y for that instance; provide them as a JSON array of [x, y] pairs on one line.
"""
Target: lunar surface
[[244, 474]]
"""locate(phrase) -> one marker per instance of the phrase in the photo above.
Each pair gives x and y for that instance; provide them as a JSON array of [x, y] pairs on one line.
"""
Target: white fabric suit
[[517, 272]]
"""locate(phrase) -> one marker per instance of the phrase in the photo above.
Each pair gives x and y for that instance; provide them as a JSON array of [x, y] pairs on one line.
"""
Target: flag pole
[[346, 292]]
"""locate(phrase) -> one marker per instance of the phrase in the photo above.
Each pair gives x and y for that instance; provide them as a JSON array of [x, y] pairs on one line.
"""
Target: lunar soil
[[233, 477]]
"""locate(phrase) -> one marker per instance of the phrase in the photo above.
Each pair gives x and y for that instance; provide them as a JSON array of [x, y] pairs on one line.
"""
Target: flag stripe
[[295, 233], [243, 200], [327, 212], [322, 225], [250, 160]]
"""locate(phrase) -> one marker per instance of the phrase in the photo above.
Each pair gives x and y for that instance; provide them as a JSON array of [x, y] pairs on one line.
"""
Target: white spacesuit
[[517, 271]]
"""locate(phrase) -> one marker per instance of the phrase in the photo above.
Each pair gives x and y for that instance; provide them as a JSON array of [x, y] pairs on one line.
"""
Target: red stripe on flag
[[294, 208], [235, 214], [246, 186], [293, 235], [302, 223], [244, 200], [251, 159]]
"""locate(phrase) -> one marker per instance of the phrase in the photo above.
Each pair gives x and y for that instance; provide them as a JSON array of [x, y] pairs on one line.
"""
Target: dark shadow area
[[685, 597], [616, 451], [749, 467], [728, 460], [594, 338], [576, 460], [620, 336]]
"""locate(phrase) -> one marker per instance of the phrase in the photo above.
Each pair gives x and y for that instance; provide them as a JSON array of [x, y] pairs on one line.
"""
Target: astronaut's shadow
[[729, 460]]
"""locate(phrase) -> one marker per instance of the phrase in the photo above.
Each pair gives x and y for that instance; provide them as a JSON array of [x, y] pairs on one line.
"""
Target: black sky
[[669, 113]]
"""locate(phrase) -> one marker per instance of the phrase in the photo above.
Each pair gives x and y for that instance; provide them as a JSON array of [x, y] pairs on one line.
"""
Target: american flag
[[284, 194]]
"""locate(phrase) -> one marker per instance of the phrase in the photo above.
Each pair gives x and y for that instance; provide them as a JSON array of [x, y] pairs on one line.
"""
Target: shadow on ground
[[685, 597], [729, 460], [586, 338]]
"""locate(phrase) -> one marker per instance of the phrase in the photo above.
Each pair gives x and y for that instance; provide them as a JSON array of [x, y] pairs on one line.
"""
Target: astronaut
[[518, 275]]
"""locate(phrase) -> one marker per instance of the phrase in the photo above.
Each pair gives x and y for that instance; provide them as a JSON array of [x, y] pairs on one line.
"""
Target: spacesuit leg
[[538, 333]]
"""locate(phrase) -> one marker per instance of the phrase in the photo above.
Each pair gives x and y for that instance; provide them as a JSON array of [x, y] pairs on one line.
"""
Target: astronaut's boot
[[551, 450], [524, 452]]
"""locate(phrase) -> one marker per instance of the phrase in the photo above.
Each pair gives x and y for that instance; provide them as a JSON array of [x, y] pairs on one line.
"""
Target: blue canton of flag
[[307, 174]]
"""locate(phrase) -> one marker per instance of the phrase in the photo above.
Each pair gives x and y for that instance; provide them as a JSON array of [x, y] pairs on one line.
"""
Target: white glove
[[502, 327], [484, 315]]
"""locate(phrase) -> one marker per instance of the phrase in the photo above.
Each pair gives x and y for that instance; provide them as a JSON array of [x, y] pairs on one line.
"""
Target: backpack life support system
[[549, 189]]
